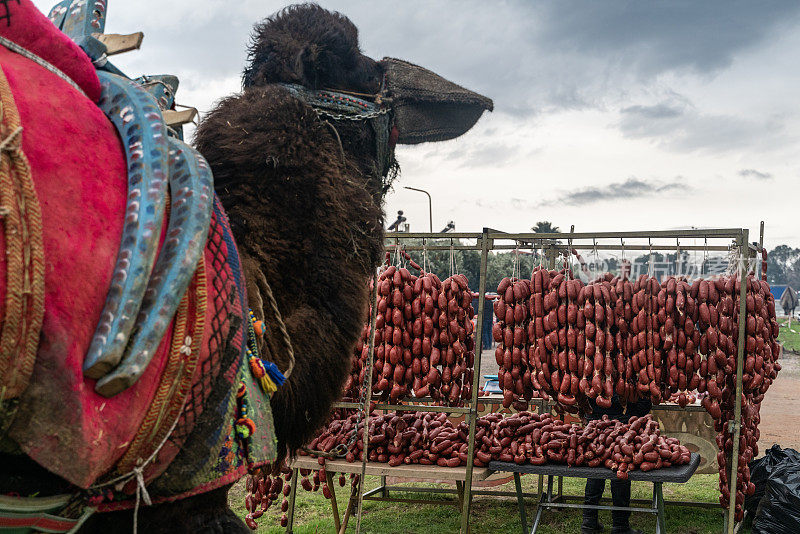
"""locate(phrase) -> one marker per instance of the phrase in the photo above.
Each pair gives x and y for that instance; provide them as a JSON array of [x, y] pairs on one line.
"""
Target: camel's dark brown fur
[[304, 209]]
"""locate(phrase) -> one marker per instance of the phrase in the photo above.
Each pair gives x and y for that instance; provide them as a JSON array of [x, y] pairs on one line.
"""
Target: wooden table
[[412, 471], [678, 474]]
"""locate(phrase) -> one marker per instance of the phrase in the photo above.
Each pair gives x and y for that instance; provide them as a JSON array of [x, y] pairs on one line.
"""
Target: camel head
[[318, 50]]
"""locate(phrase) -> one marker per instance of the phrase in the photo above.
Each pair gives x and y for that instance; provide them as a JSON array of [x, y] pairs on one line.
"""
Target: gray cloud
[[654, 37], [489, 154], [658, 111], [676, 124], [752, 173], [529, 56], [633, 187]]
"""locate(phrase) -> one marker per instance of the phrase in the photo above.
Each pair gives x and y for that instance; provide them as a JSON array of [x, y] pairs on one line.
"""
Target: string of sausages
[[424, 345]]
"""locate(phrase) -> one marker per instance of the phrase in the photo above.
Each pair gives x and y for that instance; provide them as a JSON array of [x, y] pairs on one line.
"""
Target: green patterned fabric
[[227, 455]]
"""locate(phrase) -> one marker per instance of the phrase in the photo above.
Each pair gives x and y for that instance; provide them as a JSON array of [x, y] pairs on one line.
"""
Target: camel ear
[[305, 68]]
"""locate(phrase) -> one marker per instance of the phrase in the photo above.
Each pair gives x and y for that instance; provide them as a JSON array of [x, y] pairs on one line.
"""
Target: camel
[[95, 410]]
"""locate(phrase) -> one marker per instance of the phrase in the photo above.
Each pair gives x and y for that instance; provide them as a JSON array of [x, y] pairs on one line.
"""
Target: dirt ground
[[780, 411], [780, 416]]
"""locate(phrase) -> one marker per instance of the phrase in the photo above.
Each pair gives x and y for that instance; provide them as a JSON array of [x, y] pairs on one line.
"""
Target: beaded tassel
[[267, 373]]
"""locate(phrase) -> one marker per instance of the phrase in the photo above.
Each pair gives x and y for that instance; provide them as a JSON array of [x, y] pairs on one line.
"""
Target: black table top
[[677, 473]]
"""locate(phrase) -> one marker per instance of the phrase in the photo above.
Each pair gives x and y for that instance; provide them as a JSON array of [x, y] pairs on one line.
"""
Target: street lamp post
[[430, 205]]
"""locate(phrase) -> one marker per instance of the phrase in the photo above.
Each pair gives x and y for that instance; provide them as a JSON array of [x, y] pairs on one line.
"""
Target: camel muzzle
[[426, 106]]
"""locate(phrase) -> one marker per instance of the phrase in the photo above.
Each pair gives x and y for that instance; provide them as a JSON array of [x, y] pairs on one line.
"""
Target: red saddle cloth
[[79, 173]]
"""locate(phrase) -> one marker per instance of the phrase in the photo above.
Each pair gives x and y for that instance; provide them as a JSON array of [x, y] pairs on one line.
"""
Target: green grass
[[789, 337], [489, 514]]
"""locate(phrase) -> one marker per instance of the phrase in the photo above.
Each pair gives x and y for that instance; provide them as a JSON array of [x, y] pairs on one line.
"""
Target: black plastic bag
[[760, 471], [779, 510]]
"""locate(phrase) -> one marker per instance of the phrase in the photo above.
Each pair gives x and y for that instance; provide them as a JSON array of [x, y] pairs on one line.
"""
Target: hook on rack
[[424, 254], [452, 258]]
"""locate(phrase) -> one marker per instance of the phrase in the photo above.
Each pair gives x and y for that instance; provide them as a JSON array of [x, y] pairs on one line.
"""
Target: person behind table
[[620, 489]]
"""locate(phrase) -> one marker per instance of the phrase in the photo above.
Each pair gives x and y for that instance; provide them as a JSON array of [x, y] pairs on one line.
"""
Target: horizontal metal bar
[[588, 246], [345, 404], [578, 498], [413, 489], [422, 408], [551, 504], [406, 407], [454, 502], [653, 234], [436, 247], [428, 235], [693, 504], [549, 403]]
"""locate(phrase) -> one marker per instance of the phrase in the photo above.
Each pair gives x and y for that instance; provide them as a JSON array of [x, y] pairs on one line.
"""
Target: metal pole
[[737, 410], [292, 496], [473, 407], [430, 205], [367, 400]]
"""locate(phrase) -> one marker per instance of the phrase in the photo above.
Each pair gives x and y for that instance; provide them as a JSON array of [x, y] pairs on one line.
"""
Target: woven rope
[[276, 319], [22, 222]]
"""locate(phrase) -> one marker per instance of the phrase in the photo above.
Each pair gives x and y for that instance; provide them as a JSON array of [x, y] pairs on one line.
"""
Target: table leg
[[661, 527], [460, 498], [521, 503], [351, 504], [541, 486], [334, 506], [543, 500], [292, 495], [384, 491], [560, 497], [460, 493]]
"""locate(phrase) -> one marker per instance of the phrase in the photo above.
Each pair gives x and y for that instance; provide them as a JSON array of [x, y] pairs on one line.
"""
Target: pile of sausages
[[622, 447], [398, 437], [431, 439], [424, 343]]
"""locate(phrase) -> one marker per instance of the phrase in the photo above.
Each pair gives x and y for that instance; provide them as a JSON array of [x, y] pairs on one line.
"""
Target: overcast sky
[[621, 115]]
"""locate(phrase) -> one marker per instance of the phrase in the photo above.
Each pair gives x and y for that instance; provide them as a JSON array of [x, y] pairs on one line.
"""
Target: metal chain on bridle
[[350, 116]]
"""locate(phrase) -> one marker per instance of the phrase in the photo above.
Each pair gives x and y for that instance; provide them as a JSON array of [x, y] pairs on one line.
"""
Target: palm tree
[[545, 227]]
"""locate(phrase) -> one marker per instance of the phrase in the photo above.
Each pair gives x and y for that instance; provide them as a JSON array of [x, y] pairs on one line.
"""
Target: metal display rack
[[551, 245]]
